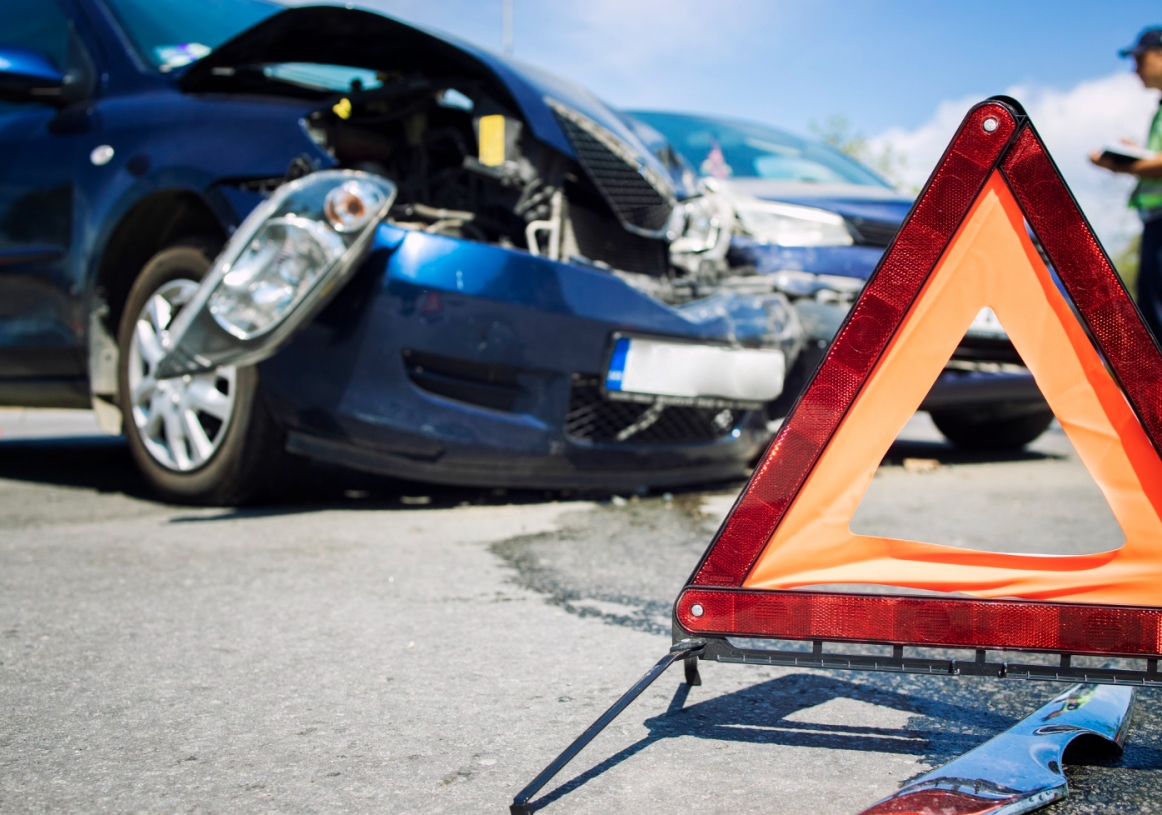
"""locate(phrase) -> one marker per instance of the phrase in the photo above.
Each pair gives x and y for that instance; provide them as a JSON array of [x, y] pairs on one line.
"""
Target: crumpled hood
[[332, 35]]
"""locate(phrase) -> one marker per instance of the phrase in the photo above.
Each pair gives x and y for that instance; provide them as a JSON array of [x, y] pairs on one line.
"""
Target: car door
[[41, 328]]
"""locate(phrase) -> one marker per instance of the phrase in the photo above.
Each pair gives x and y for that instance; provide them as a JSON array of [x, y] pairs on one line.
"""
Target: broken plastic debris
[[921, 465]]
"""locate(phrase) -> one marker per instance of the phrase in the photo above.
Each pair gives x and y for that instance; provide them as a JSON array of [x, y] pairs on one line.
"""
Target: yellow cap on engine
[[492, 140]]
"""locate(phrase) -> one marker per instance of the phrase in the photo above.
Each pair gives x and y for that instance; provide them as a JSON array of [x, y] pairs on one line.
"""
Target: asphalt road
[[392, 648]]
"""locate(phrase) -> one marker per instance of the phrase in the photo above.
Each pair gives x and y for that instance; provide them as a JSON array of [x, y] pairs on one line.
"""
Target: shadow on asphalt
[[757, 715], [946, 453], [98, 463], [941, 731], [103, 464]]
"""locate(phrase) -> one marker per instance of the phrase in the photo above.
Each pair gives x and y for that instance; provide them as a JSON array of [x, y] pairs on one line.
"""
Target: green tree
[[1126, 262], [839, 133]]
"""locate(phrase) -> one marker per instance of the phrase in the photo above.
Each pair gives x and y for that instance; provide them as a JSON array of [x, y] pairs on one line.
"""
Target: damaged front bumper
[[451, 361]]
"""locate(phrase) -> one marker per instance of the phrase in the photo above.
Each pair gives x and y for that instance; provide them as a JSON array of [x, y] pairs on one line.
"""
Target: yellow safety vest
[[1147, 196]]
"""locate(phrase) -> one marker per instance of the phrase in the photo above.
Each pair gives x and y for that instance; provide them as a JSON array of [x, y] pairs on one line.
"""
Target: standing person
[[1147, 196]]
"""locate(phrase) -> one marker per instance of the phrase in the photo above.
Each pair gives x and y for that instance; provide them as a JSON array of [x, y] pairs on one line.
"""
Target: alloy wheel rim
[[182, 421]]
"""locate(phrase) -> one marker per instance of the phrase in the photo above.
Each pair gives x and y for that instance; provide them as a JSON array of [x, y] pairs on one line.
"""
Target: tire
[[205, 439], [991, 431]]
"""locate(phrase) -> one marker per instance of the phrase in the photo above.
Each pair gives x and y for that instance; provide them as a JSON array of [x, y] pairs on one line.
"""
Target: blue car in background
[[814, 223], [249, 235]]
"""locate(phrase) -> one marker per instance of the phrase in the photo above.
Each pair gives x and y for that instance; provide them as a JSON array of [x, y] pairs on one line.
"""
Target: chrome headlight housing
[[791, 224], [290, 250], [700, 230], [275, 271], [280, 267], [695, 225]]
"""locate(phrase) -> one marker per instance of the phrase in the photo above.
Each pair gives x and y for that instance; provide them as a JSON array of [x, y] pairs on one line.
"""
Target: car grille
[[599, 238], [640, 197], [872, 233], [594, 418]]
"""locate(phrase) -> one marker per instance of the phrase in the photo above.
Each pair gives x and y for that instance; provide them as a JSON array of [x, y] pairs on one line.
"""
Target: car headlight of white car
[[791, 224], [696, 225], [280, 267], [700, 230]]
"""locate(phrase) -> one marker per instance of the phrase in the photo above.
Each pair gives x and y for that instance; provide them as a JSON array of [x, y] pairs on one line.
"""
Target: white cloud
[[1073, 122], [650, 53], [635, 34]]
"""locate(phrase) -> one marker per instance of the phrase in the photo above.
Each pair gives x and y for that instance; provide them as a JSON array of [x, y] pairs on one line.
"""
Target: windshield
[[728, 149], [171, 33]]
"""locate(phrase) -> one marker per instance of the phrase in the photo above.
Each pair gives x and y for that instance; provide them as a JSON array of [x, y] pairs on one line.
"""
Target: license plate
[[689, 371]]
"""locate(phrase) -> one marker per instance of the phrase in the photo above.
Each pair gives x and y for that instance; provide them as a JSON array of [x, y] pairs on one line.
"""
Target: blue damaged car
[[249, 235], [813, 223]]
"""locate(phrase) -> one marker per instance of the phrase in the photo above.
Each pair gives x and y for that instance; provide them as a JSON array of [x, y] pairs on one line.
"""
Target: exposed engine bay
[[459, 161], [467, 168]]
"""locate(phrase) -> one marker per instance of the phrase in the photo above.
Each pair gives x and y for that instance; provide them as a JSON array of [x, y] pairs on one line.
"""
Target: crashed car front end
[[514, 307], [821, 258], [472, 364], [813, 224], [453, 361]]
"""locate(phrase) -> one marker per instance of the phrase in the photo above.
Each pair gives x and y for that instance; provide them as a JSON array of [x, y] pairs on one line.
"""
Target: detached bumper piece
[[1019, 770]]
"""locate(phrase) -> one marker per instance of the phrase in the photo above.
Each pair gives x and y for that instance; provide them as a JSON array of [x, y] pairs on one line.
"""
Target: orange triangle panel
[[964, 246]]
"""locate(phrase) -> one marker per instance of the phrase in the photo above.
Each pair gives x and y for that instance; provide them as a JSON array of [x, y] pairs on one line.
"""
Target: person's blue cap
[[1148, 40]]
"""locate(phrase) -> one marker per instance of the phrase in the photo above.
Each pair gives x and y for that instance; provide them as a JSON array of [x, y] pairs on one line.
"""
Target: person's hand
[[1105, 162]]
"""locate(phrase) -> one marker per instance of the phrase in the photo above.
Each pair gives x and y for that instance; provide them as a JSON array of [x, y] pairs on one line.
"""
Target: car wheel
[[990, 431], [203, 438]]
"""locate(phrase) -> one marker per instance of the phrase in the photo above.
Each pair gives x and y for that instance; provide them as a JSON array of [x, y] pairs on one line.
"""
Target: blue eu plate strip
[[617, 364]]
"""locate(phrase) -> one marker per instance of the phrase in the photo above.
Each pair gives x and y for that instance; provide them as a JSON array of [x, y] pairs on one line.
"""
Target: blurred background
[[885, 81]]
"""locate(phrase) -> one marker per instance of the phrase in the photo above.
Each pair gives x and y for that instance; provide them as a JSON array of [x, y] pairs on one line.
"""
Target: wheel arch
[[158, 220], [152, 223]]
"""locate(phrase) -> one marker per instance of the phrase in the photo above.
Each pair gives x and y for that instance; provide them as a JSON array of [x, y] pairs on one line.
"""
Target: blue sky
[[902, 73], [880, 64]]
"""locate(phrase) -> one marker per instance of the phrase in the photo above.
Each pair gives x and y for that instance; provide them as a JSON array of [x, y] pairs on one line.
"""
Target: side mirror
[[27, 75]]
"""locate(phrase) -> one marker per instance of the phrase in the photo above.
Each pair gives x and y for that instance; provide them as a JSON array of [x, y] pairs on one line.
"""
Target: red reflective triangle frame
[[995, 137]]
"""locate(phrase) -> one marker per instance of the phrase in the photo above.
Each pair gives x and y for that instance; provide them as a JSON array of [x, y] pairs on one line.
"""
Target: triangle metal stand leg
[[686, 650]]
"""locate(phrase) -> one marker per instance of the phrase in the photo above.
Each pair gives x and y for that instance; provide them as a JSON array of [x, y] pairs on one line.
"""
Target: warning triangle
[[991, 262], [964, 246]]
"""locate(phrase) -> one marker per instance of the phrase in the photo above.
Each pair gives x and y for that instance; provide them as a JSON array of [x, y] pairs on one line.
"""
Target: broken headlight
[[291, 249], [792, 225], [283, 264]]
